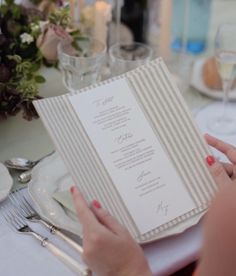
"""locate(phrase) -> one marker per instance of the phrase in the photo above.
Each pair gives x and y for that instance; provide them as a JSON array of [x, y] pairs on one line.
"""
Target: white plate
[[51, 176], [48, 177], [198, 83], [6, 182]]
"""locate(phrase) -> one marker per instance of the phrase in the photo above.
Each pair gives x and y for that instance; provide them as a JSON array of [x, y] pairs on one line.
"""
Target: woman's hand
[[223, 173], [108, 247], [218, 256]]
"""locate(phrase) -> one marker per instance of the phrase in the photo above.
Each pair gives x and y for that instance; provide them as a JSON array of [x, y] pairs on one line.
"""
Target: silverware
[[24, 207], [17, 222], [25, 177], [23, 164]]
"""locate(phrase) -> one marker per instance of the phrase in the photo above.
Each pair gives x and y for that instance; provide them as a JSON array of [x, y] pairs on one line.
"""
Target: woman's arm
[[218, 257]]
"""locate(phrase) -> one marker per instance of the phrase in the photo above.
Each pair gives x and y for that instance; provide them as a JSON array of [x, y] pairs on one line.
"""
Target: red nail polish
[[72, 189], [210, 160], [96, 204]]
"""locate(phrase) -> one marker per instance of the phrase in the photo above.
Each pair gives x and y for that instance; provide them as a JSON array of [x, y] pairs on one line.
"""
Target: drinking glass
[[81, 62], [125, 57], [225, 55]]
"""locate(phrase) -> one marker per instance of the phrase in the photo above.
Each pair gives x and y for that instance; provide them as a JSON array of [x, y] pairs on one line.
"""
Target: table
[[30, 139], [21, 138]]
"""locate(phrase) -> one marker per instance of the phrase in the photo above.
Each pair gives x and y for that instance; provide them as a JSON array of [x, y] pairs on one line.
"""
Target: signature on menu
[[123, 137], [162, 208], [104, 101], [142, 175]]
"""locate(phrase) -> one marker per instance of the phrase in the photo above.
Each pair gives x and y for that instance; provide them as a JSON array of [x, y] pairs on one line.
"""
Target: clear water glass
[[81, 62], [126, 57]]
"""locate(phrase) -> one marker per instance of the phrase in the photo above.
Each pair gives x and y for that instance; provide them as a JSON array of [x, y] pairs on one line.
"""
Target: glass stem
[[118, 20], [226, 87]]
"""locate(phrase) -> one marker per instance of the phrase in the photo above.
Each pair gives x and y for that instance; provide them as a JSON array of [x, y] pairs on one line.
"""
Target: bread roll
[[211, 76]]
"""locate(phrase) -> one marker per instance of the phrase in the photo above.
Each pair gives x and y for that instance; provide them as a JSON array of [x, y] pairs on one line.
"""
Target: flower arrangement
[[28, 39]]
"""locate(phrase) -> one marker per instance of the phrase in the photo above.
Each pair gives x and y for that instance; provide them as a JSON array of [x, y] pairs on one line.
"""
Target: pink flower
[[47, 42]]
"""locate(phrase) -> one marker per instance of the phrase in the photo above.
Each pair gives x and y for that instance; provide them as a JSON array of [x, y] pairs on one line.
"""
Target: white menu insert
[[140, 169]]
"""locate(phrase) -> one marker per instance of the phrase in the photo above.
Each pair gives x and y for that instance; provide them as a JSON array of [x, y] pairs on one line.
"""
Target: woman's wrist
[[139, 270]]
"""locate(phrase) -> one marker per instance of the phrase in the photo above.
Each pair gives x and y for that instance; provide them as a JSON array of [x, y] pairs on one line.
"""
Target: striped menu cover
[[170, 120]]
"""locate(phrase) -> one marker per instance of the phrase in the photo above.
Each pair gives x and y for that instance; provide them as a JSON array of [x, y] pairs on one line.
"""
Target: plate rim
[[8, 179], [36, 172]]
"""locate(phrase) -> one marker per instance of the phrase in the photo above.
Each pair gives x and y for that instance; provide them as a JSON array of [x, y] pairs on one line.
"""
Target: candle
[[75, 9], [102, 17], [165, 21]]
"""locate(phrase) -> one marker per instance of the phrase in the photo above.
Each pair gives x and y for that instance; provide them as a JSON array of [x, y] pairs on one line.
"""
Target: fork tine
[[11, 218], [14, 219], [17, 201], [23, 205], [14, 200], [24, 199], [6, 216], [17, 214]]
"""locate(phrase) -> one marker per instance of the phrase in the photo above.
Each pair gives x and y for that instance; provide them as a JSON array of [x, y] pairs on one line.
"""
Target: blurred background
[[180, 31], [185, 19], [52, 47]]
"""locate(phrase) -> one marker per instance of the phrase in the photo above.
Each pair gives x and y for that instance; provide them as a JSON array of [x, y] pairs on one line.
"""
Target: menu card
[[134, 158], [131, 143]]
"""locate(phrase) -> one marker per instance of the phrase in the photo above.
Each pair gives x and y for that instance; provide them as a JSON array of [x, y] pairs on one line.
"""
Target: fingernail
[[210, 160], [72, 189], [96, 204]]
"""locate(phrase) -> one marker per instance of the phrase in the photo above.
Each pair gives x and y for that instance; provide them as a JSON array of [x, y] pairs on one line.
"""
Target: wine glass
[[225, 56]]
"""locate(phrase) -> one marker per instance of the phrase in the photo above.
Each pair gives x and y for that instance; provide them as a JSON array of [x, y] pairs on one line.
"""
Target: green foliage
[[39, 79], [60, 17], [21, 59]]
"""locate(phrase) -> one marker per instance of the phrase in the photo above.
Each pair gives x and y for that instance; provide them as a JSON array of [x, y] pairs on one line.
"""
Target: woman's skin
[[218, 255], [110, 250]]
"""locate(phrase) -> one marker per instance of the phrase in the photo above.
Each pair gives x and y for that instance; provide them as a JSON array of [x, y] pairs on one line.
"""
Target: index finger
[[227, 149], [86, 216]]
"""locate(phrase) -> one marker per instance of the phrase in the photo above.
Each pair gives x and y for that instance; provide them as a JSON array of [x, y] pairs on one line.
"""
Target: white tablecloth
[[22, 255]]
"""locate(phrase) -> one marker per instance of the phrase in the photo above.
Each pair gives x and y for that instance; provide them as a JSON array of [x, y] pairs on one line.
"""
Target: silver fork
[[17, 222], [30, 214]]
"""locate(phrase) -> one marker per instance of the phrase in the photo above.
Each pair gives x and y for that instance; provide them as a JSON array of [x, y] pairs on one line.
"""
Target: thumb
[[106, 218], [218, 172], [85, 215]]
